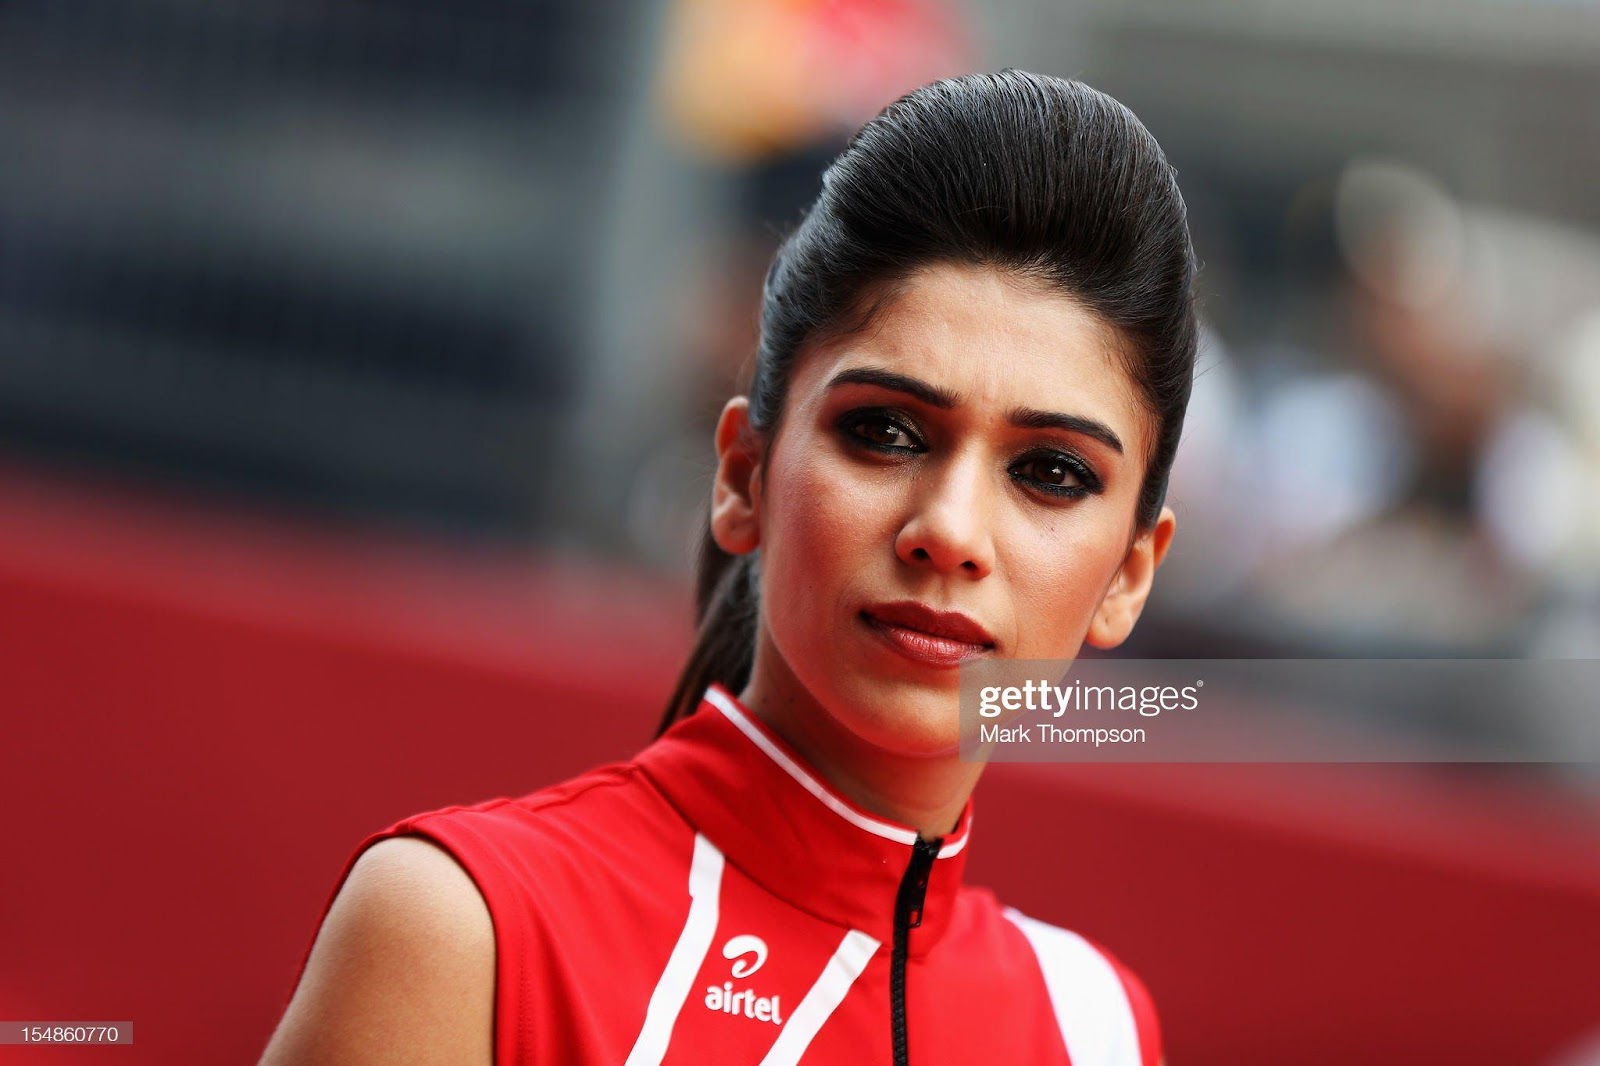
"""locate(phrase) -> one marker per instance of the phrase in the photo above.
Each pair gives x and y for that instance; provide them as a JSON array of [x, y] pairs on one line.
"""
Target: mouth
[[926, 636]]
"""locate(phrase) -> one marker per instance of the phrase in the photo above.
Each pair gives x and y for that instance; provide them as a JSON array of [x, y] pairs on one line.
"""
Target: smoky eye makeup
[[881, 429], [1056, 473], [1051, 471]]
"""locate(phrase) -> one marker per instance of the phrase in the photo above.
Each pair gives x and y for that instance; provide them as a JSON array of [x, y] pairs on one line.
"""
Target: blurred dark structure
[[304, 249]]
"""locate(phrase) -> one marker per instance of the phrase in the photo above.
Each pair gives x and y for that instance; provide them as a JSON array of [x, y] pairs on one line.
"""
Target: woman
[[975, 355]]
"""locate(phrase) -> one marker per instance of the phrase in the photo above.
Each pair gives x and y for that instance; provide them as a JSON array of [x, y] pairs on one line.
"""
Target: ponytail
[[726, 609]]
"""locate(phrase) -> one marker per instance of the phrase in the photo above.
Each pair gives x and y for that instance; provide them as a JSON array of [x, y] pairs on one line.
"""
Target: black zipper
[[907, 916]]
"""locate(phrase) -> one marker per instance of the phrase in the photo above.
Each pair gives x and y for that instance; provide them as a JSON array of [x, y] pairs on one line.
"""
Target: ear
[[736, 492], [1124, 599]]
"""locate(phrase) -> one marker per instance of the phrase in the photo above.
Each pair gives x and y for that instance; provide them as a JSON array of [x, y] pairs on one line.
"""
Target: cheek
[[815, 533], [1057, 572]]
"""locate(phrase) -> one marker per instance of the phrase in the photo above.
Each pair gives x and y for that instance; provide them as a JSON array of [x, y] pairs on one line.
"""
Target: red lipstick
[[925, 635]]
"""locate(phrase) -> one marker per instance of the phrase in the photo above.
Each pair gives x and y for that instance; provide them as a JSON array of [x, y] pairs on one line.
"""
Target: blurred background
[[358, 364]]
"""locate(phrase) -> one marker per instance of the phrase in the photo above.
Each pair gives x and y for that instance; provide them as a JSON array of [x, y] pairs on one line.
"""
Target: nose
[[949, 527]]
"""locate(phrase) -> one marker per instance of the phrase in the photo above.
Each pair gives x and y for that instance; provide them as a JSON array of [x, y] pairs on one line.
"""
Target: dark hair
[[1041, 176]]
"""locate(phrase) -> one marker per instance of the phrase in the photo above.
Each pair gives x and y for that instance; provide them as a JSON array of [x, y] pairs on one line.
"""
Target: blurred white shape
[[1530, 484], [1528, 280], [1212, 490], [1332, 451], [1586, 1052], [1575, 369], [1400, 231]]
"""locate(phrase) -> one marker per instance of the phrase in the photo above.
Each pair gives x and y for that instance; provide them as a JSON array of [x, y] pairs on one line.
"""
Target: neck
[[927, 793]]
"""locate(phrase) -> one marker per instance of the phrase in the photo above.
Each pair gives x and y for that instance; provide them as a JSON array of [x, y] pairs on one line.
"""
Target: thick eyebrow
[[933, 396]]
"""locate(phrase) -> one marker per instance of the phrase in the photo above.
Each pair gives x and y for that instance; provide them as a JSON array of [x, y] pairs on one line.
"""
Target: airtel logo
[[748, 954], [745, 945]]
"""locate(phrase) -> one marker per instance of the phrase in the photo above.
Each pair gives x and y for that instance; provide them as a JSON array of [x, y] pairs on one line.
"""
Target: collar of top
[[778, 821]]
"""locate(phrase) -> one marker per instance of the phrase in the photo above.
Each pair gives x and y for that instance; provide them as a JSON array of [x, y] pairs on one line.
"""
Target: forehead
[[997, 340]]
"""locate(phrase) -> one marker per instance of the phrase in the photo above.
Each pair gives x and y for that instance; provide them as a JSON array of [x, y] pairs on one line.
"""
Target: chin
[[905, 720]]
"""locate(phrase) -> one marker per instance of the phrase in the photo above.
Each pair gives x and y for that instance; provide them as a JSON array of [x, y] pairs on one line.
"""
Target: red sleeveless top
[[713, 900]]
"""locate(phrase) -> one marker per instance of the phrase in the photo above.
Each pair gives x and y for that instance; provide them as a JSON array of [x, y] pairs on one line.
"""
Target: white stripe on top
[[1090, 1004], [666, 1002], [849, 959], [899, 834]]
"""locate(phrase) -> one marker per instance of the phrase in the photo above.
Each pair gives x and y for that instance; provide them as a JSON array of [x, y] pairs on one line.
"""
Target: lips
[[920, 633]]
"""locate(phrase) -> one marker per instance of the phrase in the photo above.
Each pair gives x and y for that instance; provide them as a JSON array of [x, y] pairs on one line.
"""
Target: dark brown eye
[[1050, 469], [1056, 474], [881, 432]]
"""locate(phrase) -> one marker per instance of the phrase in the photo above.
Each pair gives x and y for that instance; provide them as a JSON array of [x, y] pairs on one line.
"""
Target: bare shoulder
[[402, 970]]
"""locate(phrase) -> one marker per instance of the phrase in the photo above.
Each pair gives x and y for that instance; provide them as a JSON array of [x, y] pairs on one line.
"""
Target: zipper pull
[[923, 852]]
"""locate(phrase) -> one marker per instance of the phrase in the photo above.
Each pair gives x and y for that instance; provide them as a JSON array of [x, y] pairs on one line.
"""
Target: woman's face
[[977, 450]]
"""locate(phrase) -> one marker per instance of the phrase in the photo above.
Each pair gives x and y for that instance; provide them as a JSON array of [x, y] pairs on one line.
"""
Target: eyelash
[[852, 422]]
